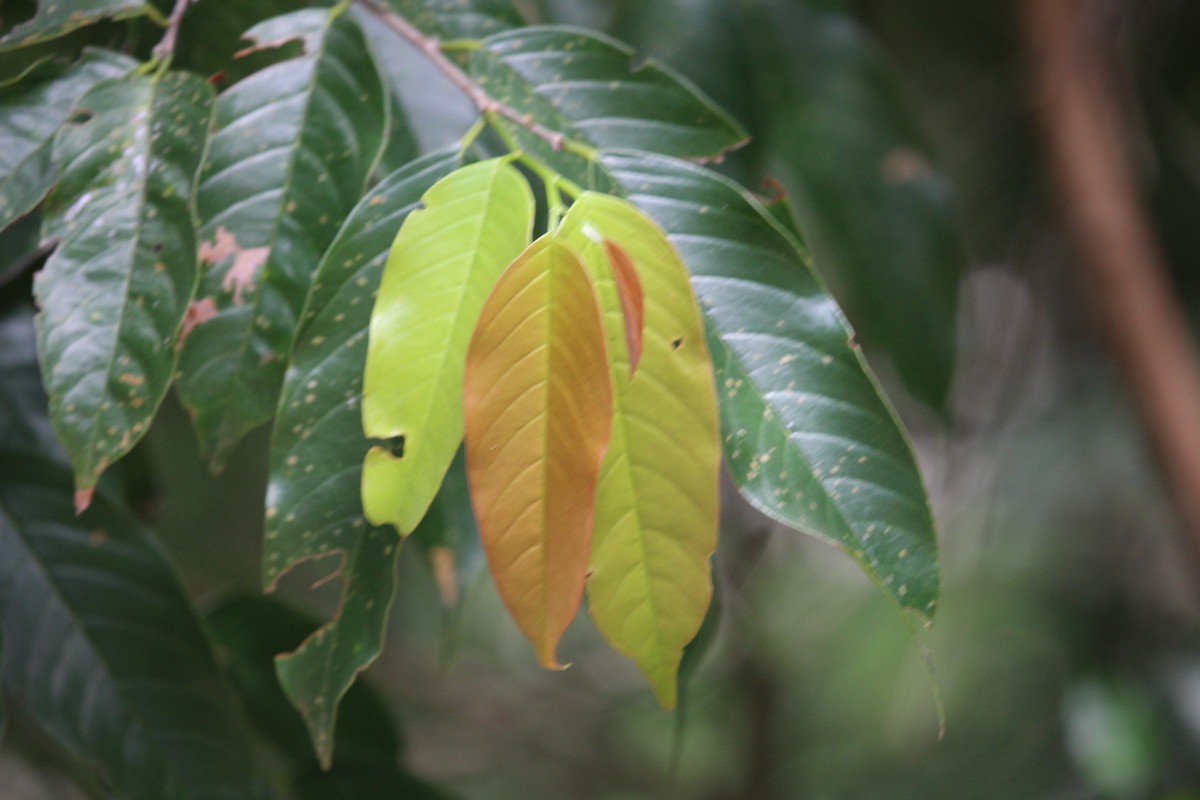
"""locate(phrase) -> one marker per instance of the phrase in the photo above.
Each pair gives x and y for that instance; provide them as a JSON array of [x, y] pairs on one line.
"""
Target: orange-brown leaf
[[538, 409], [633, 303]]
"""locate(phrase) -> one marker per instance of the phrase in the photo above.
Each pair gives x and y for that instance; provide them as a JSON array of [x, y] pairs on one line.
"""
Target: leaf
[[293, 147], [314, 506], [657, 505], [538, 402], [592, 83], [877, 212], [448, 537], [450, 20], [444, 262], [808, 437], [114, 293], [248, 631], [629, 292], [31, 112], [23, 422], [56, 18], [102, 648]]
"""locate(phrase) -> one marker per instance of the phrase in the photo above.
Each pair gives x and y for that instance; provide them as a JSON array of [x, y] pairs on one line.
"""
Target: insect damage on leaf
[[247, 262]]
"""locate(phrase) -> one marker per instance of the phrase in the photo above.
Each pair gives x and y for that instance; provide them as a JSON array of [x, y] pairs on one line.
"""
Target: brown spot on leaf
[[198, 312], [131, 379], [98, 537], [246, 262]]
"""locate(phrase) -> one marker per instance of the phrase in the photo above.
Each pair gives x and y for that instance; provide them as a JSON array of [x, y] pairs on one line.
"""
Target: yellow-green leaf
[[441, 268], [538, 404], [657, 503]]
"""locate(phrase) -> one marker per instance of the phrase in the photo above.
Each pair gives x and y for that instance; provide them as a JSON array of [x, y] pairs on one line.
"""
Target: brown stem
[[166, 47], [486, 104], [1121, 262]]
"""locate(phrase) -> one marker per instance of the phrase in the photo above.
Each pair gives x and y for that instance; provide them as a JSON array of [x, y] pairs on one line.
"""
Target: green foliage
[[232, 244]]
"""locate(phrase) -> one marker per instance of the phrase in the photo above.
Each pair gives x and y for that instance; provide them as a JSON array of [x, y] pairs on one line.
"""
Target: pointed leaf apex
[[83, 499]]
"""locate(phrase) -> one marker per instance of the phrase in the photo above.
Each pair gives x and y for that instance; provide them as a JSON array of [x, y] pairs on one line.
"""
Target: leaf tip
[[83, 499]]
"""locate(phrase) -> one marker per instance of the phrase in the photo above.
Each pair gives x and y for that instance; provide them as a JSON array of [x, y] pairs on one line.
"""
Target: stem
[[431, 49], [1120, 258], [166, 48]]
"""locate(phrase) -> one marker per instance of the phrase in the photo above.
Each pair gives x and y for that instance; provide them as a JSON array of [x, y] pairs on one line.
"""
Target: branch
[[1121, 262], [486, 104], [166, 48]]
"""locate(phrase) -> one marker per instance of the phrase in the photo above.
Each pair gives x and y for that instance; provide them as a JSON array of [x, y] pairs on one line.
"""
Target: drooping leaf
[[56, 18], [590, 87], [293, 147], [657, 505], [808, 436], [444, 262], [450, 20], [114, 293], [103, 649], [248, 631], [538, 401], [31, 111], [875, 209], [314, 506]]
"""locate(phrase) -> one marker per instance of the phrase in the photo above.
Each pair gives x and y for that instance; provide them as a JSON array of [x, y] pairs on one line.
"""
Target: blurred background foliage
[[901, 135]]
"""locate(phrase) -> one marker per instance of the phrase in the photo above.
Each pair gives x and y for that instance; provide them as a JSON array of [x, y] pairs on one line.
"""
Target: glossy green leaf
[[538, 402], [293, 146], [657, 505], [103, 649], [448, 537], [56, 18], [114, 293], [875, 209], [593, 89], [808, 436], [441, 268], [451, 20], [248, 631], [31, 112], [314, 508]]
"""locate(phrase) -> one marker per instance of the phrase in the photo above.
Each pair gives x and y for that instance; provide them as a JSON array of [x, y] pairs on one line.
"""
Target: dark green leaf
[[114, 294], [314, 507], [876, 211], [455, 19], [293, 148], [24, 424], [362, 781], [55, 18], [605, 98], [809, 438], [248, 632], [448, 537], [102, 646], [31, 111]]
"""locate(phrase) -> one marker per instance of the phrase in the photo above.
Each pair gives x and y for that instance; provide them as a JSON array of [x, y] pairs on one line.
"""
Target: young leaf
[[444, 262], [592, 83], [31, 112], [657, 505], [114, 293], [538, 405], [633, 301], [56, 18], [103, 649], [293, 147], [314, 508], [809, 438]]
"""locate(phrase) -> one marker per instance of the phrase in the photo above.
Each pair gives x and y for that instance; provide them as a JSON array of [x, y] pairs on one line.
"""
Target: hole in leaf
[[677, 343], [393, 444], [158, 247], [80, 116]]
